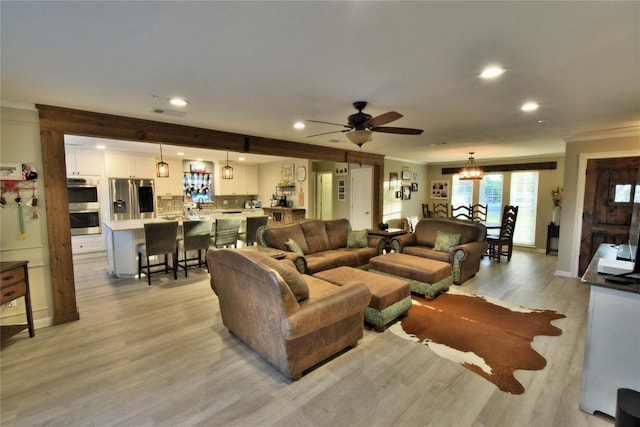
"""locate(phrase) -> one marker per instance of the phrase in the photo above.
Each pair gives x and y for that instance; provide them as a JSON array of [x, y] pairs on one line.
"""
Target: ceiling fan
[[361, 125]]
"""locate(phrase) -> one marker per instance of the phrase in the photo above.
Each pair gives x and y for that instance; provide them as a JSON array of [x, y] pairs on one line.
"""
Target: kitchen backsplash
[[174, 204]]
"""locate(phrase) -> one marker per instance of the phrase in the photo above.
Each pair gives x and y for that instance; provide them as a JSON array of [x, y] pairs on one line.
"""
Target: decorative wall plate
[[301, 173]]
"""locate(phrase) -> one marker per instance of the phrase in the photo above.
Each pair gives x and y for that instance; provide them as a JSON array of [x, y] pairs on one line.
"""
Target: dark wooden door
[[606, 215]]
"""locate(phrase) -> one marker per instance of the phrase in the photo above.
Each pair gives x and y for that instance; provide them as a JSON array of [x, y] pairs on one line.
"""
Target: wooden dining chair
[[504, 238], [440, 210], [479, 212], [461, 212], [159, 239], [426, 213]]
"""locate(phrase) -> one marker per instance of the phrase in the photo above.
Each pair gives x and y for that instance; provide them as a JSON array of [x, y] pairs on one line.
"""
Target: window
[[461, 192], [524, 194], [491, 195]]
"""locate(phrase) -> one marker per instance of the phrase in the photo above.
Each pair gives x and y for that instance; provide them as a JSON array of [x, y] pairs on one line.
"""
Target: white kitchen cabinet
[[245, 181], [130, 166], [84, 162], [173, 184]]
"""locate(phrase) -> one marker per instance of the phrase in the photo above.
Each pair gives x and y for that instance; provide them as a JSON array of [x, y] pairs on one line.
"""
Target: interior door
[[608, 204], [361, 198], [324, 207]]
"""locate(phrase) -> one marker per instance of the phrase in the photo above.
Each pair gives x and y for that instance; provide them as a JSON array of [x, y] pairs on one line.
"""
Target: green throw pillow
[[446, 241], [294, 247], [358, 239]]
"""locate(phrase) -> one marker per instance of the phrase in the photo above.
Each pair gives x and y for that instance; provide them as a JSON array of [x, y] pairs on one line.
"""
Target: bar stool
[[227, 231], [159, 239], [196, 236], [250, 234]]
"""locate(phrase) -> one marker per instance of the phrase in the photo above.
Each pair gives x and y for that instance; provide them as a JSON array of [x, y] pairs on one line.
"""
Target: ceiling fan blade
[[329, 123], [327, 133], [383, 119], [404, 131]]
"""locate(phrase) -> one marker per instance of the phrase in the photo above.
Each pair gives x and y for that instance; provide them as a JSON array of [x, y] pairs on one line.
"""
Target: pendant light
[[227, 171], [162, 168], [470, 170]]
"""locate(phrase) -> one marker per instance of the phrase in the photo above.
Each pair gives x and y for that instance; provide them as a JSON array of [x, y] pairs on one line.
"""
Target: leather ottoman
[[390, 297], [427, 277]]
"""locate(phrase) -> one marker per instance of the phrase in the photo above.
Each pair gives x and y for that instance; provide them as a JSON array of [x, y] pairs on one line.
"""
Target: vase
[[555, 216]]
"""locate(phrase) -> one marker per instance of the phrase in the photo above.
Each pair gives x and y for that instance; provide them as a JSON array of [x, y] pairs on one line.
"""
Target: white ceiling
[[257, 67]]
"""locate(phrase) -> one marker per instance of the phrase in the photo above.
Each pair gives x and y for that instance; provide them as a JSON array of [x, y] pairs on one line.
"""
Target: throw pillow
[[293, 278], [413, 221], [358, 239], [294, 247], [446, 241]]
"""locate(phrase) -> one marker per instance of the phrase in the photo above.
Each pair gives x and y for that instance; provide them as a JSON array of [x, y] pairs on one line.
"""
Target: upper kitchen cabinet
[[130, 166], [84, 162], [245, 181], [173, 184]]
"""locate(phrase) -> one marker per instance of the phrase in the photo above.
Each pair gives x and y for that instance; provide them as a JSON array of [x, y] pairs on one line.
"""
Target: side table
[[387, 234], [15, 284], [553, 232]]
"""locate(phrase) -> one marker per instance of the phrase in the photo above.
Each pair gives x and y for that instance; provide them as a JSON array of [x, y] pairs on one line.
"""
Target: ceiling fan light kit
[[471, 172], [359, 137], [360, 126]]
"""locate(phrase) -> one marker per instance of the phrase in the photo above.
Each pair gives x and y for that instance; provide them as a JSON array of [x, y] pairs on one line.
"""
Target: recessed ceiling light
[[298, 125], [101, 147], [241, 159], [529, 106], [178, 102], [180, 153], [492, 72]]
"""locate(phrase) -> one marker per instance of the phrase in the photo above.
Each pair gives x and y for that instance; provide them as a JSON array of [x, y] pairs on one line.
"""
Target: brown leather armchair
[[293, 321], [465, 256]]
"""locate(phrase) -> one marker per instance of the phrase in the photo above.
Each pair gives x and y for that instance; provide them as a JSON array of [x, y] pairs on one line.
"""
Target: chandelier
[[470, 170]]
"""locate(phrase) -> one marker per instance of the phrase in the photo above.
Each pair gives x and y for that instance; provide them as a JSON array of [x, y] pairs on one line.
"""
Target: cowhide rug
[[487, 336]]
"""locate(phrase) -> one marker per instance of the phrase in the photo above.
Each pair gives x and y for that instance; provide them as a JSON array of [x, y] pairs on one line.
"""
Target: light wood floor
[[159, 355]]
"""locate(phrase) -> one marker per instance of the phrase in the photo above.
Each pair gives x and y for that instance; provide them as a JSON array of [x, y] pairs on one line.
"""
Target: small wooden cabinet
[[281, 216], [15, 284], [553, 232]]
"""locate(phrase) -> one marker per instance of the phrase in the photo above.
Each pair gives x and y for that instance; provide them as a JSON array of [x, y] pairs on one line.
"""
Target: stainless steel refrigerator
[[131, 199]]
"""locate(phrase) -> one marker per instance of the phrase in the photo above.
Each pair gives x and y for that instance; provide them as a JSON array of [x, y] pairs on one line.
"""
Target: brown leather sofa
[[293, 321], [464, 257], [323, 244]]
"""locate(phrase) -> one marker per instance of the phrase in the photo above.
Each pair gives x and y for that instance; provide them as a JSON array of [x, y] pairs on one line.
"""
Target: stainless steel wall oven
[[84, 206]]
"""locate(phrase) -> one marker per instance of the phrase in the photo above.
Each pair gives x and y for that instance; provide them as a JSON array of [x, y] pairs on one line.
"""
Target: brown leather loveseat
[[464, 254], [293, 321], [322, 245]]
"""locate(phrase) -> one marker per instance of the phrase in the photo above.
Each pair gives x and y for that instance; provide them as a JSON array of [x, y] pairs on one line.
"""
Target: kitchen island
[[122, 237], [613, 338]]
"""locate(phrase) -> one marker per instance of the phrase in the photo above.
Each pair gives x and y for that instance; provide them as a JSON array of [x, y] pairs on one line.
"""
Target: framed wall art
[[406, 174], [406, 192], [342, 168], [286, 172], [11, 171], [393, 180], [414, 187], [439, 189]]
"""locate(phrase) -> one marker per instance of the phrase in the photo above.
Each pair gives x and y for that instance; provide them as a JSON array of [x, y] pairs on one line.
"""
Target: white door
[[324, 207], [361, 198]]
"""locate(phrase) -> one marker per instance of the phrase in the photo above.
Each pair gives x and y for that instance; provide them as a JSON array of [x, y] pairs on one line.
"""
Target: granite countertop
[[593, 278]]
